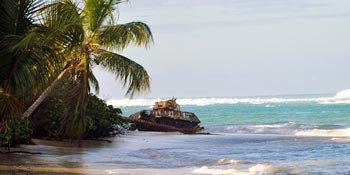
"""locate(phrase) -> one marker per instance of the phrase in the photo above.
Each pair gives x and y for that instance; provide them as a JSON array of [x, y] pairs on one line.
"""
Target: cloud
[[207, 12]]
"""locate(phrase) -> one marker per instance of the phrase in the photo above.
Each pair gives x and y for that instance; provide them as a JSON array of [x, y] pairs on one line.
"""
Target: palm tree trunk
[[45, 94]]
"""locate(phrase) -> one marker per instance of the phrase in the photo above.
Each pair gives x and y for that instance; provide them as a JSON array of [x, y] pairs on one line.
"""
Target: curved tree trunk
[[45, 94]]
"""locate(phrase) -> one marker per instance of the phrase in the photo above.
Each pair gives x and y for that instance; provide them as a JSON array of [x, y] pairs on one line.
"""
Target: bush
[[102, 119], [47, 118], [17, 131]]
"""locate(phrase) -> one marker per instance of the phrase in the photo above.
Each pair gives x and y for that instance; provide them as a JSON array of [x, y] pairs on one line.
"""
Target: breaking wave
[[290, 129], [342, 97], [230, 162]]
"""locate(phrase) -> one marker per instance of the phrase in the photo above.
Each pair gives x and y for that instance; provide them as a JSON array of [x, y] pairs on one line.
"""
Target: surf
[[342, 97], [290, 129]]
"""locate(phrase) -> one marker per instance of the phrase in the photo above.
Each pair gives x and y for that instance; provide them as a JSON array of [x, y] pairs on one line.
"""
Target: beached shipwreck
[[166, 116]]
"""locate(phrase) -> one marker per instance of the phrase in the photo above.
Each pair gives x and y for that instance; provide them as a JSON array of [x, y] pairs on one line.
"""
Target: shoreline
[[108, 140], [139, 153], [18, 170]]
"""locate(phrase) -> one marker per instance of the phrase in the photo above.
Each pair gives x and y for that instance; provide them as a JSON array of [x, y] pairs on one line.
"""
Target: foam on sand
[[218, 171], [143, 171], [253, 170], [324, 132]]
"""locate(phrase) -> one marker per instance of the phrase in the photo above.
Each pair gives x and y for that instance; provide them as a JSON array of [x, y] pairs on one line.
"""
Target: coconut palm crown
[[93, 40], [42, 44]]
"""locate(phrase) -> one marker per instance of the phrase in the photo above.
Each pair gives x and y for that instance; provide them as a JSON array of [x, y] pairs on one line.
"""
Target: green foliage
[[102, 119], [47, 119], [28, 55], [91, 39], [39, 40], [18, 131]]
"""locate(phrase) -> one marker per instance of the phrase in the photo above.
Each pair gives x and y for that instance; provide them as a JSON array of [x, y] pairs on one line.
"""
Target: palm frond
[[120, 36], [63, 24], [96, 12], [16, 19], [9, 107], [33, 57], [27, 63], [116, 2], [18, 15], [93, 81], [74, 122], [130, 73]]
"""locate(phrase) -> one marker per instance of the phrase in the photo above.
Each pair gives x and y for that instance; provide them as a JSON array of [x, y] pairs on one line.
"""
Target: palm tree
[[90, 42], [40, 46], [24, 65]]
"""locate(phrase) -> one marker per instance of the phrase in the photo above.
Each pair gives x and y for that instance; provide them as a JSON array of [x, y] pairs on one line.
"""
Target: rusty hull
[[165, 120]]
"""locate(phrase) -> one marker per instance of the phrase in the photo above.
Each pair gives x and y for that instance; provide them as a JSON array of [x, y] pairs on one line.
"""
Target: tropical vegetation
[[45, 45], [102, 120]]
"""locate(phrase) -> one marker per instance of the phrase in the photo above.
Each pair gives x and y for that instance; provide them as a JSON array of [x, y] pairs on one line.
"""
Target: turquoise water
[[282, 135], [250, 114], [307, 115], [305, 134]]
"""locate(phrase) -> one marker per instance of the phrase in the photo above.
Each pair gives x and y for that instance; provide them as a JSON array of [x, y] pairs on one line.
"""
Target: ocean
[[283, 135], [293, 134], [299, 115]]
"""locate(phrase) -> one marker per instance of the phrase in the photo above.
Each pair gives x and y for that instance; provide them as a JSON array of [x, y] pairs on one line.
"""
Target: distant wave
[[281, 129], [289, 128], [342, 97]]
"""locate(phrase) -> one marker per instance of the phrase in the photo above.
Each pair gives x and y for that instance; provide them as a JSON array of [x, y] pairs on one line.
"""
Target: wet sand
[[45, 170], [74, 160], [146, 153]]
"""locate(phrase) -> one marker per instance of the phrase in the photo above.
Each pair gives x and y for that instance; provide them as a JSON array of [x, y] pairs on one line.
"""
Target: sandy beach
[[87, 159], [143, 153]]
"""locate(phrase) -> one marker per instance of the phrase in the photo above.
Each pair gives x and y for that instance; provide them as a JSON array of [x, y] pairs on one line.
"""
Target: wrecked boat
[[166, 116]]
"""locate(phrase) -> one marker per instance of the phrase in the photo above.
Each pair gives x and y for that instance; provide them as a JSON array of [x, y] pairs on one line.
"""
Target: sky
[[230, 48]]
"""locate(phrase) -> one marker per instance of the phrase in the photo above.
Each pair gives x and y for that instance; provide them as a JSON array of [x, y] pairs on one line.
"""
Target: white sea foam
[[342, 97], [257, 169], [218, 171], [229, 161], [289, 128], [341, 139], [324, 132], [282, 129], [264, 168], [282, 125], [313, 163], [344, 94]]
